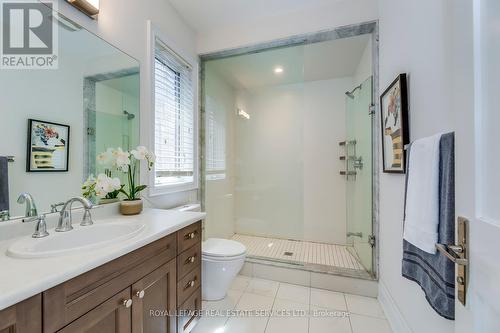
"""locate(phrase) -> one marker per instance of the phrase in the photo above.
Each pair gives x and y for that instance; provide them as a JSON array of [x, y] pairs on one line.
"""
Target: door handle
[[458, 253], [453, 252]]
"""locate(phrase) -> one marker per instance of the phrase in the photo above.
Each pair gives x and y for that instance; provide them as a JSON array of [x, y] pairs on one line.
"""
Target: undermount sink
[[78, 239]]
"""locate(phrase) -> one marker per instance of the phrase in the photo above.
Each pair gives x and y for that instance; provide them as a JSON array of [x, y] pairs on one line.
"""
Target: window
[[215, 140], [174, 120]]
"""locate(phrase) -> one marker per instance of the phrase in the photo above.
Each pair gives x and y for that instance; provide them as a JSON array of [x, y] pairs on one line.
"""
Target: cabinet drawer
[[111, 316], [68, 301], [188, 284], [188, 236], [188, 260], [189, 312]]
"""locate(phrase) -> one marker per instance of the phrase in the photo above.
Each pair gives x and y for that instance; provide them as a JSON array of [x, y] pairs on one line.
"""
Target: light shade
[[89, 7]]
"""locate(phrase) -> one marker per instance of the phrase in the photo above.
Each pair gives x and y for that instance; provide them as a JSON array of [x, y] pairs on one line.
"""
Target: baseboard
[[394, 316]]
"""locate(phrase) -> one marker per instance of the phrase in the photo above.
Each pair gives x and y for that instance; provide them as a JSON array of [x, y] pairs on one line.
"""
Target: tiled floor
[[307, 253], [351, 313]]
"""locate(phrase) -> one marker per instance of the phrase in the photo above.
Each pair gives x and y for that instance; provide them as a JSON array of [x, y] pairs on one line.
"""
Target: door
[[358, 162], [112, 316], [154, 301], [477, 167]]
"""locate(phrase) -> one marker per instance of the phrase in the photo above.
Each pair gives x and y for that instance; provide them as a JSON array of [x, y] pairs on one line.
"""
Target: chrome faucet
[[26, 198], [65, 222]]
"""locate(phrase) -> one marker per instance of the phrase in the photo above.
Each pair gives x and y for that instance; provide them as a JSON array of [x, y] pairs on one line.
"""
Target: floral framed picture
[[395, 130], [48, 146]]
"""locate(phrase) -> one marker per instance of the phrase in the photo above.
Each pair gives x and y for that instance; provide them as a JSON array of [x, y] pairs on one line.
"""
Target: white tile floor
[[355, 314], [300, 252]]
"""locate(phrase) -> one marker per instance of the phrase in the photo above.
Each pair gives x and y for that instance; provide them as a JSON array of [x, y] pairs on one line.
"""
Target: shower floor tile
[[306, 253]]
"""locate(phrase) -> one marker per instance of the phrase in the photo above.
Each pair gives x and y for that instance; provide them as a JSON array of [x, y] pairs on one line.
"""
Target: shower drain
[[288, 253]]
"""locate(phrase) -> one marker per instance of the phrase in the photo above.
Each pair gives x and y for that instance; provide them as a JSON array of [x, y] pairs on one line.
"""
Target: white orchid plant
[[124, 161], [104, 186]]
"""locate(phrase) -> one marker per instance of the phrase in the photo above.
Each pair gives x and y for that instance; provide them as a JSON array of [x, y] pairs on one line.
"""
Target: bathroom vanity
[[154, 287]]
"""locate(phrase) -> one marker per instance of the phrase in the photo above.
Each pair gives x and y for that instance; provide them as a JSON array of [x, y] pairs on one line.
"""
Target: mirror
[[54, 122]]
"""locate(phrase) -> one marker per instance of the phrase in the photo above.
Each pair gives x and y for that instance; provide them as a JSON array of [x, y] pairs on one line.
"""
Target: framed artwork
[[395, 130], [48, 146]]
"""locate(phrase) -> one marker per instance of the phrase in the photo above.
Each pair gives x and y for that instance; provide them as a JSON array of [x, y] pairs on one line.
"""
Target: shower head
[[350, 94], [129, 115]]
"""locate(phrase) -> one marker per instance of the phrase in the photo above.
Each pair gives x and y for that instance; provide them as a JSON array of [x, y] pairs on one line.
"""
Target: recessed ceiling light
[[278, 70]]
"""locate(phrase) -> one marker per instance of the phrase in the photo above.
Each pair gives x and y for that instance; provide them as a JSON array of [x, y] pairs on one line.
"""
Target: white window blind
[[174, 118], [215, 139]]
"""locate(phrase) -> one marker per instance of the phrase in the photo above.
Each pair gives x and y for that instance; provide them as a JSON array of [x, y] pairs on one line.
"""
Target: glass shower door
[[359, 175]]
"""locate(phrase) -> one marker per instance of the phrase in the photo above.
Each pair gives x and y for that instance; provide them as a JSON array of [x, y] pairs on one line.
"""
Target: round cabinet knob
[[192, 259], [191, 235], [140, 294], [127, 303], [191, 283]]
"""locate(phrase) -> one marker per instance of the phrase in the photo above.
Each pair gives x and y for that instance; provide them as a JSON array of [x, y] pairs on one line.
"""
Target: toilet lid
[[218, 247]]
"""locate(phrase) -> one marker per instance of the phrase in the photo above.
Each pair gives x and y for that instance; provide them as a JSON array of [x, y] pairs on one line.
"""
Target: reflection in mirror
[[94, 92]]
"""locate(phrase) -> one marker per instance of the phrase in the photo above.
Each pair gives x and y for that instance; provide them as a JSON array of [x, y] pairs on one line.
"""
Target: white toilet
[[222, 260]]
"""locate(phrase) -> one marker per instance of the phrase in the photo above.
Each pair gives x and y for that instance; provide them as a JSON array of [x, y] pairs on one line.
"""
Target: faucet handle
[[41, 226], [53, 207], [87, 218]]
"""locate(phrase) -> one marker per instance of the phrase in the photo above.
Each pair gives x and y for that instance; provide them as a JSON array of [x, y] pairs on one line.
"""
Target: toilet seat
[[221, 259], [222, 249]]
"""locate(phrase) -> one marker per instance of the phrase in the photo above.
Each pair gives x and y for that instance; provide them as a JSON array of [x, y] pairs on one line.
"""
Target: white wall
[[324, 188], [124, 24], [287, 166], [334, 14], [417, 37]]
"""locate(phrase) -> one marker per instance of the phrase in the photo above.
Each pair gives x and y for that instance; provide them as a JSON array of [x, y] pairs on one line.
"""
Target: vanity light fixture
[[89, 7], [278, 70], [243, 114]]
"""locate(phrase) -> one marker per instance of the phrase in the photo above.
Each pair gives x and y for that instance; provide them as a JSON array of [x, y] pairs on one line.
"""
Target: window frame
[[155, 34]]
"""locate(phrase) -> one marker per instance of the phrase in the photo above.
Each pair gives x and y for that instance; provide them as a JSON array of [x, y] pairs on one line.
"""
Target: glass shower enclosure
[[359, 172]]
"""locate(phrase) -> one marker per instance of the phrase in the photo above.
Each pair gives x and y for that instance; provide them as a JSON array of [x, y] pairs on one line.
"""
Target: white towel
[[422, 194]]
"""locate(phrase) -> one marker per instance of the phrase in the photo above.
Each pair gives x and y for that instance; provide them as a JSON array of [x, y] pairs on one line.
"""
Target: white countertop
[[23, 278]]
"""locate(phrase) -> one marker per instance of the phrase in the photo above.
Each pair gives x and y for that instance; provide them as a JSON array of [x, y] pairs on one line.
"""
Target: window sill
[[155, 191]]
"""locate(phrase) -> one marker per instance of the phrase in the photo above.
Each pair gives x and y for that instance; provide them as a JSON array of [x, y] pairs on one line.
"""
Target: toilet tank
[[194, 207]]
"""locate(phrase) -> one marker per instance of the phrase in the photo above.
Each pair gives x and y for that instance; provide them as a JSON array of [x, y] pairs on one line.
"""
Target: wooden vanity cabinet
[[23, 317], [137, 293], [188, 277]]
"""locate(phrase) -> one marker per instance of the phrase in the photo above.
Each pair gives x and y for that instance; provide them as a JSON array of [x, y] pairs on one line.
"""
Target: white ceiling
[[312, 62], [208, 14]]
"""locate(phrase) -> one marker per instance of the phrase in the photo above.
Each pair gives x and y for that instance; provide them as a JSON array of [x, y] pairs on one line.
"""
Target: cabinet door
[[24, 317], [112, 316], [154, 301]]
